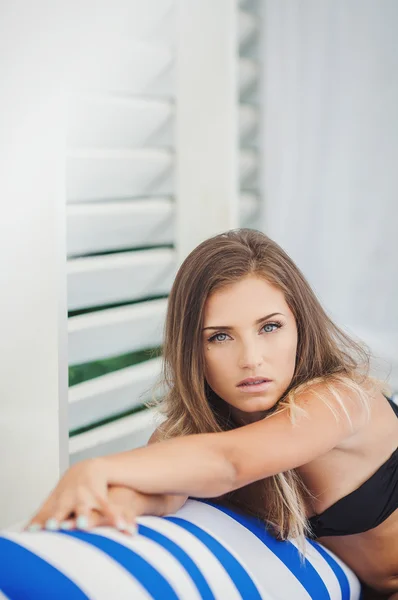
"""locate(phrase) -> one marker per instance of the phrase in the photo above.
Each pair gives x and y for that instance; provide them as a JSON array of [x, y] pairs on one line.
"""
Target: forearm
[[194, 465], [146, 504]]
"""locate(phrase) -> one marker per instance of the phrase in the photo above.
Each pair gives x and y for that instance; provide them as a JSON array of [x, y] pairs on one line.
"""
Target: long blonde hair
[[325, 354]]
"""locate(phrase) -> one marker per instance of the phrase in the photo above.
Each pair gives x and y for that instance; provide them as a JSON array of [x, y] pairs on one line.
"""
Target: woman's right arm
[[165, 504], [128, 504]]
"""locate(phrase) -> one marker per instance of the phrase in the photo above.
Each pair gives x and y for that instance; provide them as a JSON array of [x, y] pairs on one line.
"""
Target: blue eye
[[267, 328], [273, 326], [215, 338]]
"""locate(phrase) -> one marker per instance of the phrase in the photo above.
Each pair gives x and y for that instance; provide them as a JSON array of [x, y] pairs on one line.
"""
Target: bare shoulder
[[348, 400], [318, 418], [380, 434]]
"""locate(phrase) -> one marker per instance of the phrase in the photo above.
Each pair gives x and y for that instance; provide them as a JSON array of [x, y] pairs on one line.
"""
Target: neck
[[245, 418]]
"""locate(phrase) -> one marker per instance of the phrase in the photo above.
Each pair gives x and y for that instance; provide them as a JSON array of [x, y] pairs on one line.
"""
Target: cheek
[[216, 365], [285, 353]]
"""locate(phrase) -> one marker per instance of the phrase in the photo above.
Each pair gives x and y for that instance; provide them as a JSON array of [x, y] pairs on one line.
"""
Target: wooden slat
[[106, 175], [248, 74], [118, 278], [250, 210], [248, 123], [125, 434], [110, 121], [115, 174], [252, 6], [133, 19], [115, 331], [248, 164], [113, 226], [248, 26], [112, 394], [102, 227], [126, 65]]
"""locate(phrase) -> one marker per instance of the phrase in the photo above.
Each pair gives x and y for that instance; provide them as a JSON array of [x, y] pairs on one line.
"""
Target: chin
[[257, 405], [254, 410]]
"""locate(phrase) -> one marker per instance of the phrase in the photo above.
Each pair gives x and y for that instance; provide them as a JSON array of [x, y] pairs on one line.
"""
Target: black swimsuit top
[[367, 506]]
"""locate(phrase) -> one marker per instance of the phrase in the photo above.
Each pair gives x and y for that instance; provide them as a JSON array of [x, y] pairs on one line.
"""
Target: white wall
[[331, 144], [33, 378]]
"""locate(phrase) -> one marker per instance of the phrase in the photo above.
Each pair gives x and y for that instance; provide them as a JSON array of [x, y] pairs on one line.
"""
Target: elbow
[[230, 479], [217, 476], [226, 477]]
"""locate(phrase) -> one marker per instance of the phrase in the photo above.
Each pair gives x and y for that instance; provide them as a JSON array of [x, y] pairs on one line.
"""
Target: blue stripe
[[183, 558], [150, 579], [306, 574], [26, 576], [235, 570], [338, 571]]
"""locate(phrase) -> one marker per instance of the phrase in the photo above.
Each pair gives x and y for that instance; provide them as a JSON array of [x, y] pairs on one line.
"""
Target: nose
[[251, 355]]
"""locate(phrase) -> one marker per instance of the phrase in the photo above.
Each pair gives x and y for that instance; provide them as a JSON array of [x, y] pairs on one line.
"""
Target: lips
[[249, 381]]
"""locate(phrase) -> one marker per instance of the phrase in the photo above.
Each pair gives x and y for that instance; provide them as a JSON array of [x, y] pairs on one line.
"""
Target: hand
[[81, 490], [126, 504]]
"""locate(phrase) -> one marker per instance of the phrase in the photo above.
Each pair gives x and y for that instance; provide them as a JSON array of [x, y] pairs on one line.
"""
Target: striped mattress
[[203, 551]]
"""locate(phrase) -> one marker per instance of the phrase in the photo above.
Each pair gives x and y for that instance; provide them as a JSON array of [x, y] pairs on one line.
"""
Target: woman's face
[[249, 332]]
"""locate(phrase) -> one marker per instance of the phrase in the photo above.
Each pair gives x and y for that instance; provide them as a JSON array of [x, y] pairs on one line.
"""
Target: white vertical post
[[33, 314], [207, 182]]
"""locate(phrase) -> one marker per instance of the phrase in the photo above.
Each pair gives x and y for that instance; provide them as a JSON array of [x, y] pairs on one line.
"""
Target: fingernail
[[121, 524], [51, 525], [132, 529], [82, 522], [33, 527], [65, 525]]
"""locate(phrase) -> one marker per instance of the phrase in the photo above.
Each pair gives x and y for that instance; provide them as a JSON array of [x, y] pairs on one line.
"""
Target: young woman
[[269, 408]]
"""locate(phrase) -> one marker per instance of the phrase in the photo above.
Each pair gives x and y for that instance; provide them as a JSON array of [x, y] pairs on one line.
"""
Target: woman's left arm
[[212, 464], [205, 465]]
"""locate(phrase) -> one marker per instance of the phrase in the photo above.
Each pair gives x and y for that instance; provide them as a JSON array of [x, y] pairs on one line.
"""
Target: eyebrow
[[257, 322]]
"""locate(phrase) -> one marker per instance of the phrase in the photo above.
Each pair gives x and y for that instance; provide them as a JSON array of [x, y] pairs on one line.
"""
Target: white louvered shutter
[[249, 53], [121, 216], [120, 230]]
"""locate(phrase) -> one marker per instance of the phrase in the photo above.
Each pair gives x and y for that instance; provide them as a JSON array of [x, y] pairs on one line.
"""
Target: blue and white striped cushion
[[201, 552]]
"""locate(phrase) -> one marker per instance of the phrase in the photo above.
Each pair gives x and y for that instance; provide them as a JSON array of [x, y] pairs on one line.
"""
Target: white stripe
[[325, 571], [216, 576], [3, 596], [160, 559], [355, 586], [272, 577], [97, 575]]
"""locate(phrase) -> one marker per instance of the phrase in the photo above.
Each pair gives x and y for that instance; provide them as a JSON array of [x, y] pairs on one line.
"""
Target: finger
[[116, 517], [83, 508], [125, 521], [107, 509], [33, 526], [67, 524], [82, 514], [131, 526], [42, 520], [60, 514], [38, 521], [50, 515], [95, 519]]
